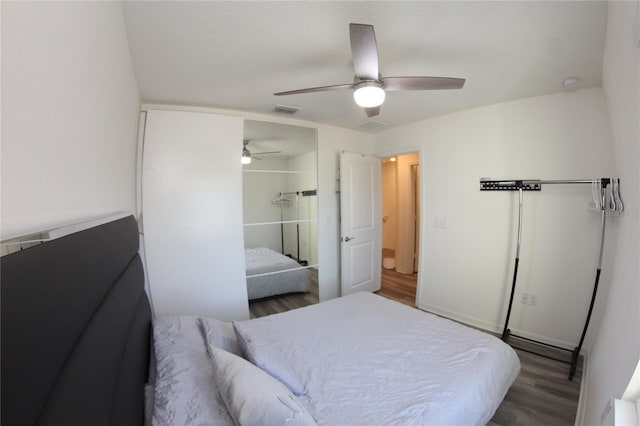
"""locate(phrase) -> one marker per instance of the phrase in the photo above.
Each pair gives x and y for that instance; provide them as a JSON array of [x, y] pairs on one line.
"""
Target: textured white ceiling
[[236, 54], [290, 141]]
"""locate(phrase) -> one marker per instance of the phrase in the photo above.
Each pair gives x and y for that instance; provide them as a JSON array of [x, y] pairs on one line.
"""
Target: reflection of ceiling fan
[[368, 85], [247, 156]]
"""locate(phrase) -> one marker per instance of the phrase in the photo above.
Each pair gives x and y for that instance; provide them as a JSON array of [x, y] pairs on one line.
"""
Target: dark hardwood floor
[[272, 305], [542, 393]]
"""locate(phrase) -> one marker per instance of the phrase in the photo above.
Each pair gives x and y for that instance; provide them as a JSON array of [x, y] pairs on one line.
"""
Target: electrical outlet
[[529, 299], [441, 222]]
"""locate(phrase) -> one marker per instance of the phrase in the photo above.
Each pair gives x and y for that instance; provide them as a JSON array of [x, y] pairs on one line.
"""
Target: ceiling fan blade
[[421, 83], [372, 112], [364, 51], [316, 89], [267, 152]]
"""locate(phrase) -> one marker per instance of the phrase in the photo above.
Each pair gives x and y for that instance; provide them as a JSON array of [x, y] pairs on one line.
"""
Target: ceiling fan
[[247, 156], [368, 84]]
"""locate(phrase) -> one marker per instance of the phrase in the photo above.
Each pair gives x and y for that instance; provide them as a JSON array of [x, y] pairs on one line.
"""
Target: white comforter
[[289, 279], [184, 393], [365, 360]]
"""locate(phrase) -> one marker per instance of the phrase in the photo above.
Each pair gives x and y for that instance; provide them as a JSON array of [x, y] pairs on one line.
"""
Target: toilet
[[388, 263]]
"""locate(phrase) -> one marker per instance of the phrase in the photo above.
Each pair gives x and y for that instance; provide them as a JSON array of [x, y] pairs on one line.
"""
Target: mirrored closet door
[[280, 212]]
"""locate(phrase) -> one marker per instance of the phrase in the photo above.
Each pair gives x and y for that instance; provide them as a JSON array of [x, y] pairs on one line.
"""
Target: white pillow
[[269, 358], [220, 334], [252, 396]]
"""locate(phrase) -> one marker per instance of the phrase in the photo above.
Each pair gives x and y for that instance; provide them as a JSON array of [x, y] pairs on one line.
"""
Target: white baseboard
[[475, 322], [494, 328]]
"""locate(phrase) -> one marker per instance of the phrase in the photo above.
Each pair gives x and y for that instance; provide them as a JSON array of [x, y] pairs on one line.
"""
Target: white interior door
[[361, 222]]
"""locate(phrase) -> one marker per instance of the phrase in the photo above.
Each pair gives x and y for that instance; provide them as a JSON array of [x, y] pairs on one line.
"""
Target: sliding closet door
[[192, 211]]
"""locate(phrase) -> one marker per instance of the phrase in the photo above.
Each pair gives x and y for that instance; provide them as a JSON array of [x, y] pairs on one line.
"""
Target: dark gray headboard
[[75, 330]]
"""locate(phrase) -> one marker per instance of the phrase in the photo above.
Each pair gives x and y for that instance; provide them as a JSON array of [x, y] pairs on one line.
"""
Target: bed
[[356, 360], [270, 273], [76, 330]]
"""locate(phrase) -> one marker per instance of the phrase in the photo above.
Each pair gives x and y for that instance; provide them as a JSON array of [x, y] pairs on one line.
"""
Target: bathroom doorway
[[401, 227]]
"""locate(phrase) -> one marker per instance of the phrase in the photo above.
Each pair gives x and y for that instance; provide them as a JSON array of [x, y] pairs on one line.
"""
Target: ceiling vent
[[283, 109], [373, 125]]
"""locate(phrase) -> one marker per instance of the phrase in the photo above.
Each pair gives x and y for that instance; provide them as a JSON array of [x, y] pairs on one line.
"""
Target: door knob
[[347, 239]]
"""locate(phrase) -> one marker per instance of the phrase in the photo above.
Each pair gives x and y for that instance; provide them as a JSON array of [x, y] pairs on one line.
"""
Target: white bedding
[[200, 379], [262, 260], [184, 393], [363, 360], [357, 360]]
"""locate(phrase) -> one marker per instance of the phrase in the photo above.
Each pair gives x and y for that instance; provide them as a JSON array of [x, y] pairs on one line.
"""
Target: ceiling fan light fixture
[[368, 84], [369, 94], [246, 156]]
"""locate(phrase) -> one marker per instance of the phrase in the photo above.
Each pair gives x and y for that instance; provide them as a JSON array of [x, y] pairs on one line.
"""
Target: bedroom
[[70, 116]]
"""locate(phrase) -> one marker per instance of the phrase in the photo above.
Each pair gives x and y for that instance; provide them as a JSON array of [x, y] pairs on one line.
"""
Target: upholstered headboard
[[75, 330]]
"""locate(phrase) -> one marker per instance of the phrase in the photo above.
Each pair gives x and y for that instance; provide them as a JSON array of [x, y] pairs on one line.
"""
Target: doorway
[[401, 227]]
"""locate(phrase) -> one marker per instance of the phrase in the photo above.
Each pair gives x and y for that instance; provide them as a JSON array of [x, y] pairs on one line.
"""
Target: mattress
[[270, 273], [362, 359]]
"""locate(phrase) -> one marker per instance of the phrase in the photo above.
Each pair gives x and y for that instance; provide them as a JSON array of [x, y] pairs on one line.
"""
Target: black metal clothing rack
[[306, 193], [536, 185]]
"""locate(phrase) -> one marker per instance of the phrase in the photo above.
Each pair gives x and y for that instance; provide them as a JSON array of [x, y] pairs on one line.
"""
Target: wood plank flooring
[[272, 305], [542, 393], [399, 287]]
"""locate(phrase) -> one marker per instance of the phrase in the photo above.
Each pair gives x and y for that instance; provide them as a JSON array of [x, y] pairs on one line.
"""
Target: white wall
[[617, 347], [70, 109], [389, 206], [466, 269], [406, 225]]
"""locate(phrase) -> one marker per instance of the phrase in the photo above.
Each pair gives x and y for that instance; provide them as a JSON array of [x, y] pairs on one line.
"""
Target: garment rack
[[306, 193], [604, 208]]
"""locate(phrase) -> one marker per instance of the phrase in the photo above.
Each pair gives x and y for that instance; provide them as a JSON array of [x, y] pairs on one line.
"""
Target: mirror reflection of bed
[[285, 302], [280, 216]]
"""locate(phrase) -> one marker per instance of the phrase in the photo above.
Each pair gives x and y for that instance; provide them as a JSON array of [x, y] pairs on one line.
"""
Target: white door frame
[[417, 211], [421, 162]]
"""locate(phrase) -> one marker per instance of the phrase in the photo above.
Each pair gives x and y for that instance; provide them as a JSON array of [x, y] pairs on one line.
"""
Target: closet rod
[[569, 181], [509, 182], [533, 184], [530, 181], [303, 193]]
